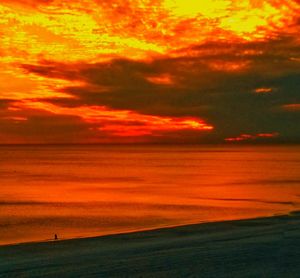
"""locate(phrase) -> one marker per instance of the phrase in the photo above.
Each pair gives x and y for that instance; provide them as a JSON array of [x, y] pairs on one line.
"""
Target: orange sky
[[148, 71]]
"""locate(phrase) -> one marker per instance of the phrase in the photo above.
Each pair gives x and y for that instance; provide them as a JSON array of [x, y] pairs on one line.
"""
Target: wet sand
[[262, 247]]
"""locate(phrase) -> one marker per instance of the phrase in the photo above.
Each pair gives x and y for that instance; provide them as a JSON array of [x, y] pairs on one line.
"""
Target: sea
[[90, 190]]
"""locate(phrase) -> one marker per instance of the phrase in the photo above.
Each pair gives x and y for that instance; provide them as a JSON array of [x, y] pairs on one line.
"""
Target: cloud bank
[[144, 71]]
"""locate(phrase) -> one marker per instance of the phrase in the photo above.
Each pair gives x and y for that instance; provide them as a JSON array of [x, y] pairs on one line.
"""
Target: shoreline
[[145, 230], [260, 247]]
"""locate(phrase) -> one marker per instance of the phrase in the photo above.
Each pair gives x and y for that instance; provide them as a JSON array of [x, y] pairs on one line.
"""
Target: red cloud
[[119, 122], [292, 107], [263, 90], [249, 137]]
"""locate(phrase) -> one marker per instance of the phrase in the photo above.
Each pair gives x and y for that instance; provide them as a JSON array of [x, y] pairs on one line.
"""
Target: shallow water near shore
[[81, 191]]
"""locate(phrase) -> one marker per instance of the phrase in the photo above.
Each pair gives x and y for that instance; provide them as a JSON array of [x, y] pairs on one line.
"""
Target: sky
[[141, 71]]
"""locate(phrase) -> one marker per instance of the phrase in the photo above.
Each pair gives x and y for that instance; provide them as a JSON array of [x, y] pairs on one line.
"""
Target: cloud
[[114, 123], [263, 90], [43, 128], [221, 96], [147, 69], [33, 3], [252, 137], [295, 107]]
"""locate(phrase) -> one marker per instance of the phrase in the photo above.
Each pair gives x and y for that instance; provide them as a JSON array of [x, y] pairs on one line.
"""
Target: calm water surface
[[80, 191]]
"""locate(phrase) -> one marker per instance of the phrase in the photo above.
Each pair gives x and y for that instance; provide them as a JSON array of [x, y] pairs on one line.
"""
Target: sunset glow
[[114, 122], [263, 90], [249, 137], [149, 138], [147, 69], [292, 107]]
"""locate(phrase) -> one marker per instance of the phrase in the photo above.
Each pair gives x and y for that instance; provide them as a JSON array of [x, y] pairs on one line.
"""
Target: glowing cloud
[[263, 90], [292, 107], [249, 137], [119, 122], [164, 79], [133, 68]]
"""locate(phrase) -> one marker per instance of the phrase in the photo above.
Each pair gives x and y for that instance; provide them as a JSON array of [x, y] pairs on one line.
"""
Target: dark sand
[[264, 247]]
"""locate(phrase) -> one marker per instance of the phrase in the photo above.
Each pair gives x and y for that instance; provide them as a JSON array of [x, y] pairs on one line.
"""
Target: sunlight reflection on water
[[92, 190]]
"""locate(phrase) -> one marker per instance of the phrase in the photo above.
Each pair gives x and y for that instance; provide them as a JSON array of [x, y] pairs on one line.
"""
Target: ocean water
[[80, 191]]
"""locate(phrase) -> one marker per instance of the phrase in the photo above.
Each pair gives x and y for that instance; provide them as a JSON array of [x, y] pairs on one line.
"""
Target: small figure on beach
[[55, 237]]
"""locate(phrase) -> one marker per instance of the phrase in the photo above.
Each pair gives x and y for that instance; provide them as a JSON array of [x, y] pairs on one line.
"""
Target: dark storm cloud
[[214, 81], [51, 128], [4, 103]]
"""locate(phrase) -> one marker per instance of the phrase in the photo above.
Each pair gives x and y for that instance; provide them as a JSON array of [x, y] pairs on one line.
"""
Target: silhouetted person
[[55, 237]]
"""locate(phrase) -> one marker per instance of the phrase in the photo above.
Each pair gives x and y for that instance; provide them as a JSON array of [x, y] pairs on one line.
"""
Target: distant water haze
[[80, 191]]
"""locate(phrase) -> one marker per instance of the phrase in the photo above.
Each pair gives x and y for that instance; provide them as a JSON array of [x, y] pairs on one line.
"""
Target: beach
[[261, 247]]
